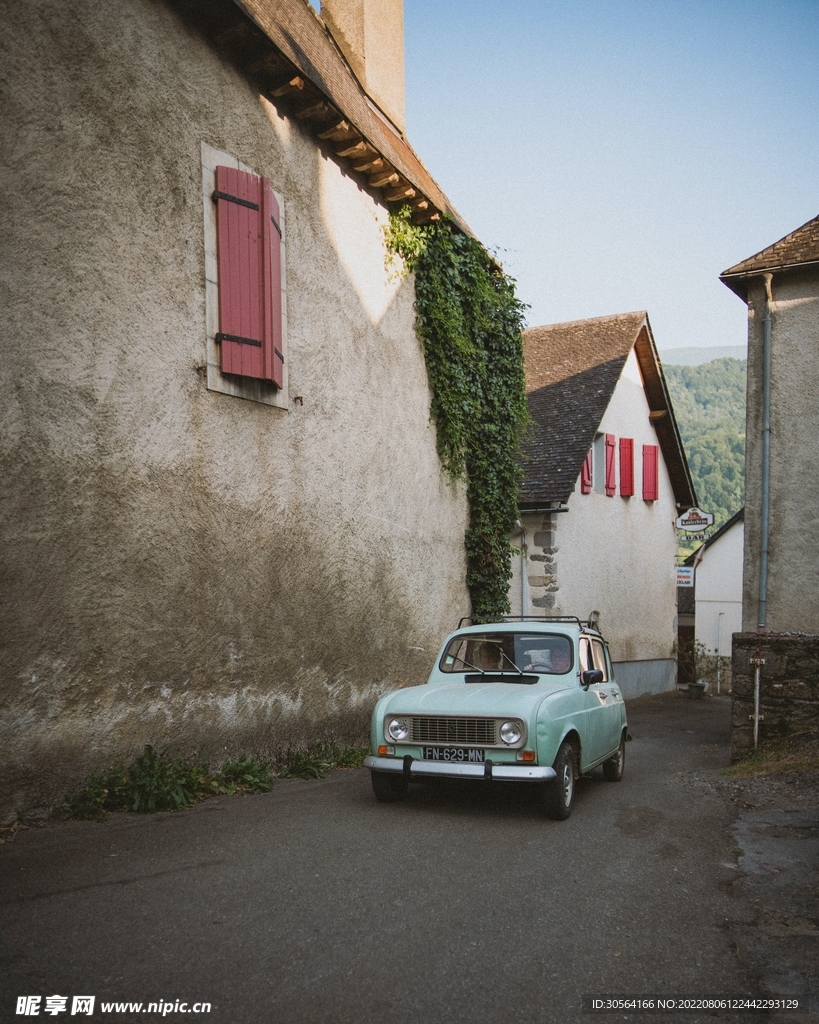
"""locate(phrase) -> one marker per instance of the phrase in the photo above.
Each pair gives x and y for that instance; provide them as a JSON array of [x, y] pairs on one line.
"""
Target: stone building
[[225, 527], [605, 478], [780, 598]]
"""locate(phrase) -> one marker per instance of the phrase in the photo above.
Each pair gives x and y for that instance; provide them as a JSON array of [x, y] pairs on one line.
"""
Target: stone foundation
[[789, 688]]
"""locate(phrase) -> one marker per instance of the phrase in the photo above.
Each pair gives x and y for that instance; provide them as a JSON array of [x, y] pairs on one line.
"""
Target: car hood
[[472, 698]]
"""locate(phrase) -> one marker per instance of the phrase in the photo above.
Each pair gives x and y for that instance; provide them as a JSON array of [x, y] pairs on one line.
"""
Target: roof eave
[[738, 281], [285, 49], [665, 424]]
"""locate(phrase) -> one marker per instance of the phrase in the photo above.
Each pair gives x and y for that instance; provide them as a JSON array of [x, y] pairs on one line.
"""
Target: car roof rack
[[588, 623]]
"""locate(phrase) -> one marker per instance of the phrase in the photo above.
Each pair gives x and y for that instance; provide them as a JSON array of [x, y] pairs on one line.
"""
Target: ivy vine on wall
[[469, 321]]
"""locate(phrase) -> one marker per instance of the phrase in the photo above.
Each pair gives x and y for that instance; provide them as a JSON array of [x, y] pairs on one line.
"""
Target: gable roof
[[572, 370], [797, 249], [289, 54]]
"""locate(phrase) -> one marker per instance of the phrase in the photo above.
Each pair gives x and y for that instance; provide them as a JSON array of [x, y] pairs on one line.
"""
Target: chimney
[[370, 34]]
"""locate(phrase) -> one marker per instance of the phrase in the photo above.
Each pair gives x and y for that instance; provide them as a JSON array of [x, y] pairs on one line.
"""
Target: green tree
[[709, 404]]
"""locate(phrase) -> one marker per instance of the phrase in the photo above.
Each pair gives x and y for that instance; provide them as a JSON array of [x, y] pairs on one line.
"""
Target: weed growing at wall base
[[156, 782], [469, 320], [318, 760]]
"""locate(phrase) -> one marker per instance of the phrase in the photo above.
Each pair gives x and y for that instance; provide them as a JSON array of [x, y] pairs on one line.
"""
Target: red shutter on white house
[[586, 474], [650, 474], [611, 472], [250, 280], [626, 466]]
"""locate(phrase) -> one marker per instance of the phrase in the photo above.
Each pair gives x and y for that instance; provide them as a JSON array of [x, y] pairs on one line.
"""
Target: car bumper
[[415, 769]]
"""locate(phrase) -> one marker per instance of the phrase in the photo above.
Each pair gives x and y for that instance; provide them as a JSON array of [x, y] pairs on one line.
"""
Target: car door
[[608, 694], [593, 736]]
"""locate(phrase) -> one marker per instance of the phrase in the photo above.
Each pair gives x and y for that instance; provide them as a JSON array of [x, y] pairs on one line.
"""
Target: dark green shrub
[[159, 784]]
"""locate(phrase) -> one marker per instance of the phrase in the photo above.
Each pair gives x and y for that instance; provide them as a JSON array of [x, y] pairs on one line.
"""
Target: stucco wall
[[719, 592], [180, 566], [612, 555], [793, 596]]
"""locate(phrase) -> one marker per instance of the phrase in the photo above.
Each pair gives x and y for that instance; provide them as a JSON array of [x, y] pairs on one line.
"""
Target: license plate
[[466, 754]]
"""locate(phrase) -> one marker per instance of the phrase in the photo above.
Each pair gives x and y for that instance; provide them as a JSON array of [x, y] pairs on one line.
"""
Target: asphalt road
[[314, 903]]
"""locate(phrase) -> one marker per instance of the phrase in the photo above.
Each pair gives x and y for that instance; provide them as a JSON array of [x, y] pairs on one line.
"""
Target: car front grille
[[454, 730]]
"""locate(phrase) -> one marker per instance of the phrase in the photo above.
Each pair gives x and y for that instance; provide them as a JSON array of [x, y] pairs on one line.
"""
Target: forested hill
[[709, 403]]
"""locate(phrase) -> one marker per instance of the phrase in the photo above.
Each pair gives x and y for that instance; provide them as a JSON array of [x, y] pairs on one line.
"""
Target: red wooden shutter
[[626, 466], [249, 262], [650, 482], [586, 474], [611, 472]]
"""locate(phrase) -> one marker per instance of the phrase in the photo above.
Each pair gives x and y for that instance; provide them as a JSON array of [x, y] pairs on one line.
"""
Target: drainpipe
[[766, 454]]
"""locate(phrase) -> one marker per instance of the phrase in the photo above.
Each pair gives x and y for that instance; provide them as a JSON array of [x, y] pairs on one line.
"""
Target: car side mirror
[[591, 677]]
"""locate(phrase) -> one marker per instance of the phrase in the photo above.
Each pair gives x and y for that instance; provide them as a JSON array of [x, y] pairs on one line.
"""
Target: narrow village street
[[314, 903], [371, 377]]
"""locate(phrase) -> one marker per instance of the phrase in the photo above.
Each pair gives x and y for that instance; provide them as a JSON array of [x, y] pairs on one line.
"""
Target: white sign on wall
[[695, 520], [685, 575]]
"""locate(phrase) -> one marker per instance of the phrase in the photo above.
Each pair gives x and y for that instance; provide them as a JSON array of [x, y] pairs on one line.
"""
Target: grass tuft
[[793, 754]]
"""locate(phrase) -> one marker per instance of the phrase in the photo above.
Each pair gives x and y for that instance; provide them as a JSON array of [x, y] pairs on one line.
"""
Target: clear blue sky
[[619, 154]]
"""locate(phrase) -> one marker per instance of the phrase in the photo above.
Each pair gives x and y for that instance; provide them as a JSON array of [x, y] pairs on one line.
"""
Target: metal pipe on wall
[[522, 528], [758, 663], [719, 648]]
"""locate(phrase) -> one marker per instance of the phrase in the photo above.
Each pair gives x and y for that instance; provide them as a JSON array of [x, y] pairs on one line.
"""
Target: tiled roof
[[572, 370], [794, 250]]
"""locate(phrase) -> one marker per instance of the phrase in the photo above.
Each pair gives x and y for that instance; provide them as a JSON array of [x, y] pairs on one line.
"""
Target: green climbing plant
[[469, 320]]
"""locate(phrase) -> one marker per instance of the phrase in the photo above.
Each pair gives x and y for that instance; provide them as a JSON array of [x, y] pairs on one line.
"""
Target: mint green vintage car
[[515, 701]]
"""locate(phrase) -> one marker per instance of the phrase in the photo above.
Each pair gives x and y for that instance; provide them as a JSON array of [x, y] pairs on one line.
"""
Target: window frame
[[587, 473], [249, 388]]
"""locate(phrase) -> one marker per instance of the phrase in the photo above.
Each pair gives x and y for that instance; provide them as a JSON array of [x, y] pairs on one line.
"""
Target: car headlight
[[510, 732], [398, 729]]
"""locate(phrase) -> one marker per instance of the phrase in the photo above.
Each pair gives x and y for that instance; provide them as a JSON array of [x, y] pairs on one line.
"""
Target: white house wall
[[718, 597], [612, 555], [184, 567]]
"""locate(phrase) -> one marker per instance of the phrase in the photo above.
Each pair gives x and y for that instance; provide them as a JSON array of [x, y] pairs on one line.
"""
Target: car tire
[[558, 796], [389, 787], [613, 768]]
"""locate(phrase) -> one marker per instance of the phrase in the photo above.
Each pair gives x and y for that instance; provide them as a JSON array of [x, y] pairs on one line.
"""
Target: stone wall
[[789, 688]]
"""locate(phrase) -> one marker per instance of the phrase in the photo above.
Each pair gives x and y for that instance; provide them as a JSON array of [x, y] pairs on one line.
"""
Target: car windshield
[[544, 653]]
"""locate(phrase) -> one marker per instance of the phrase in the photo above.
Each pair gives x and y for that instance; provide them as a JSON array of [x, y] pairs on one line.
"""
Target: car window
[[546, 654], [585, 654], [599, 656], [479, 652], [549, 654]]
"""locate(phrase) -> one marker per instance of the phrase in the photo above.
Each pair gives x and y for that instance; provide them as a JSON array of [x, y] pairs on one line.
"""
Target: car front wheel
[[613, 768], [559, 792], [388, 786]]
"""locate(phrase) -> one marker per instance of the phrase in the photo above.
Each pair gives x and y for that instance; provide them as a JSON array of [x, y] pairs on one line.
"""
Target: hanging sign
[[695, 520], [685, 575]]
